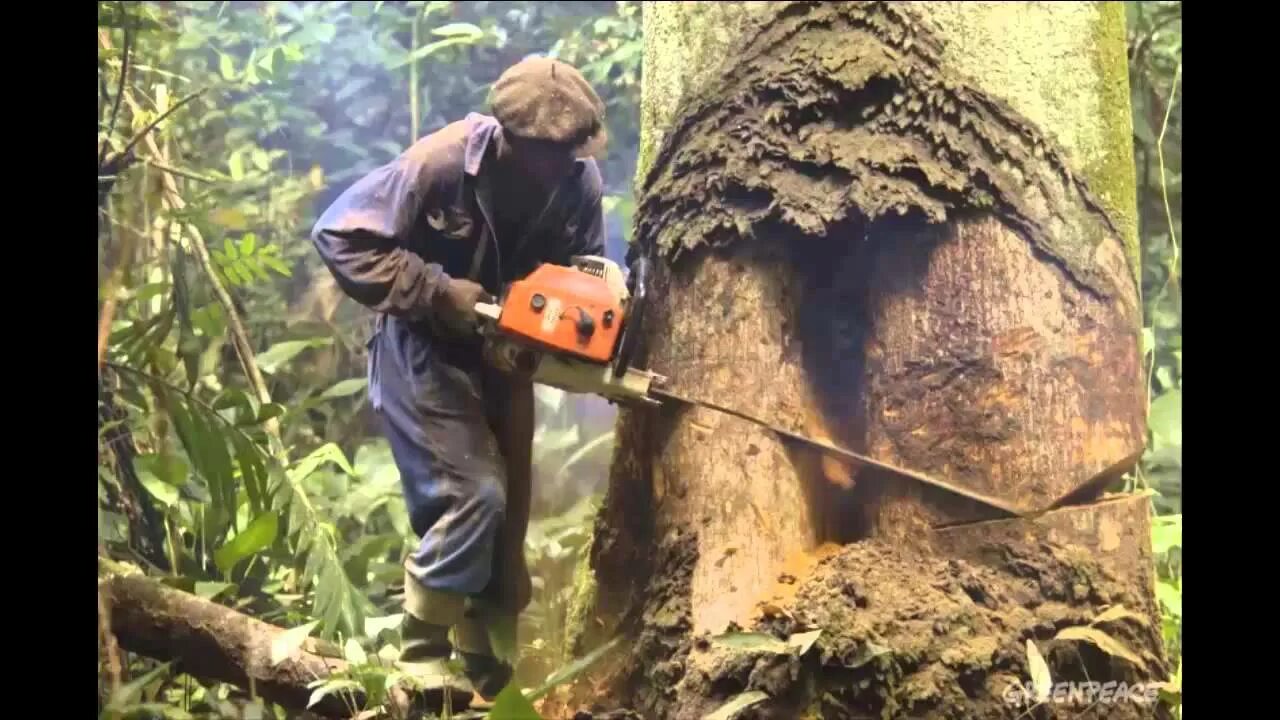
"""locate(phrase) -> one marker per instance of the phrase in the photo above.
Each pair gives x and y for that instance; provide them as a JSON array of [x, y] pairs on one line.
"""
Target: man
[[463, 212]]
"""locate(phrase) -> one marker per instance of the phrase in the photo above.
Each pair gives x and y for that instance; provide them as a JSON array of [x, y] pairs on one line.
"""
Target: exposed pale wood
[[987, 366]]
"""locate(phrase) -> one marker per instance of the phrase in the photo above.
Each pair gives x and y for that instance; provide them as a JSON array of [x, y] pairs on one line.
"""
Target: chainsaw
[[578, 328]]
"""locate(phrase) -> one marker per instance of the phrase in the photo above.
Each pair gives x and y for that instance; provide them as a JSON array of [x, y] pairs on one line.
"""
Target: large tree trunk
[[908, 228]]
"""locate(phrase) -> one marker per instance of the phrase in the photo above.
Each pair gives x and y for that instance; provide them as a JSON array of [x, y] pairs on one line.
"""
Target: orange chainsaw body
[[564, 310]]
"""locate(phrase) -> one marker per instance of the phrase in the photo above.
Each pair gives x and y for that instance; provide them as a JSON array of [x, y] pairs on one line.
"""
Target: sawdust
[[905, 632]]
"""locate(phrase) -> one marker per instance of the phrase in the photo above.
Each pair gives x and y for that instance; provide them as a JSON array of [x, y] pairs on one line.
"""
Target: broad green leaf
[[289, 642], [511, 704], [329, 452], [502, 637], [233, 398], [150, 290], [230, 250], [251, 72], [751, 642], [209, 320], [235, 164], [254, 266], [1166, 533], [131, 692], [345, 388], [359, 554], [227, 66], [398, 513], [211, 590], [389, 654], [160, 490], [1166, 456], [248, 243], [276, 264], [252, 471], [220, 474], [1170, 597], [257, 537], [281, 353], [803, 641], [170, 468], [1166, 417], [261, 160], [354, 653], [737, 704], [1041, 680], [570, 672], [270, 411], [373, 627], [1102, 641], [267, 62], [231, 218], [458, 30]]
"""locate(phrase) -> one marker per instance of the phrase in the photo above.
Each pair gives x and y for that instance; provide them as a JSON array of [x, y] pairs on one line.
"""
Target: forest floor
[[938, 628]]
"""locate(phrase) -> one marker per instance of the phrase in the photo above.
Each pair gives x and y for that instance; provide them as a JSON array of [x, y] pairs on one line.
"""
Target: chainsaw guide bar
[[578, 328], [850, 455]]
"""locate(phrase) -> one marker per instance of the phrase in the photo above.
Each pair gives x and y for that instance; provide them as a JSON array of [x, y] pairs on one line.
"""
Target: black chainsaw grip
[[638, 287]]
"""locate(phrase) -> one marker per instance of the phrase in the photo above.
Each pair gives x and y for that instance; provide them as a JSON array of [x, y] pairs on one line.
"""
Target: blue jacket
[[393, 238]]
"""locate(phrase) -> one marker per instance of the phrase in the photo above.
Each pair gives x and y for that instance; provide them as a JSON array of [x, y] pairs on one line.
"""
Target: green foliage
[[1155, 51], [255, 116], [1155, 73]]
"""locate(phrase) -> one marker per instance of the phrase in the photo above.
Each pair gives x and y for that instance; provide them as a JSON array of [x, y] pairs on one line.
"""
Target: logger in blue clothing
[[460, 214]]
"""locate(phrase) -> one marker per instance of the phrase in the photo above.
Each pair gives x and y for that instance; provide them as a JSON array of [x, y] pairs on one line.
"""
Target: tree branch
[[240, 338], [160, 118], [211, 641], [146, 524], [124, 74]]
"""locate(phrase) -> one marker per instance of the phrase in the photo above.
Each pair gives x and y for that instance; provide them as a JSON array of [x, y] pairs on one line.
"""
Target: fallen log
[[213, 642]]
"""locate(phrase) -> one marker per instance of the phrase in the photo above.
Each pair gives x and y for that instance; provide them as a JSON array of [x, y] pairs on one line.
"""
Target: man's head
[[550, 116]]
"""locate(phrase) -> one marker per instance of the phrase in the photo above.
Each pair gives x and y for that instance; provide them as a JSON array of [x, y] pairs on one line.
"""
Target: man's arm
[[362, 239]]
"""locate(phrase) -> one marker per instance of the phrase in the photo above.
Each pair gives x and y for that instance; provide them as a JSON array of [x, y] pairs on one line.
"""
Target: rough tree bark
[[908, 228]]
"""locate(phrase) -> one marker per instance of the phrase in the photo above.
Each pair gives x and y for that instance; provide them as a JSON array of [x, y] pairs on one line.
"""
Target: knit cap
[[545, 99]]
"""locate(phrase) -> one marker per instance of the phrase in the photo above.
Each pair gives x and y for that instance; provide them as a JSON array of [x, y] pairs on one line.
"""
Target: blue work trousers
[[437, 403]]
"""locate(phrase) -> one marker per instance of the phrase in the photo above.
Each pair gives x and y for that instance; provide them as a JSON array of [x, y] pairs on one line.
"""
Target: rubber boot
[[425, 650], [487, 674]]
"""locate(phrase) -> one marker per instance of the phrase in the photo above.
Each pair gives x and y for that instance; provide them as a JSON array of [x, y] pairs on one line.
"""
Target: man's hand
[[455, 307]]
